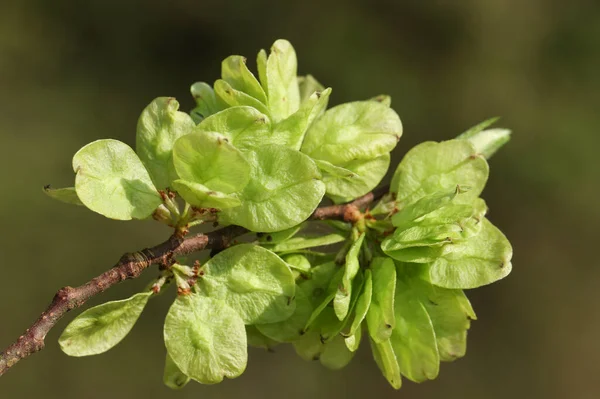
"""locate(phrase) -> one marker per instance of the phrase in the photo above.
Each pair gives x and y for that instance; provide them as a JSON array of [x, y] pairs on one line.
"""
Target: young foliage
[[471, 263], [359, 130], [280, 80], [159, 126], [252, 280], [100, 328], [261, 152], [113, 181], [210, 160], [343, 294], [244, 127], [380, 317], [67, 195], [206, 339], [206, 101], [173, 377], [284, 189], [433, 167]]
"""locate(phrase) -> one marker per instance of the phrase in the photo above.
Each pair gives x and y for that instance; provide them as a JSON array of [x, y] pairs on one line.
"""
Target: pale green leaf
[[422, 254], [364, 176], [336, 354], [296, 243], [281, 80], [321, 288], [112, 181], [209, 159], [227, 96], [253, 281], [158, 127], [341, 302], [341, 327], [456, 225], [277, 237], [422, 207], [449, 310], [352, 264], [420, 225], [439, 167], [257, 339], [381, 226], [341, 321], [261, 66], [470, 227], [353, 341], [316, 287], [451, 213], [450, 313], [309, 346], [290, 131], [487, 142], [339, 225], [360, 130], [206, 339], [330, 171], [102, 327], [172, 376], [480, 260], [316, 312], [67, 195], [292, 328], [472, 131], [307, 86], [380, 317], [206, 101], [328, 325], [413, 338], [386, 206], [298, 262], [283, 191], [322, 331], [244, 127], [312, 255], [235, 72], [455, 213], [201, 196], [421, 236], [386, 360], [363, 303]]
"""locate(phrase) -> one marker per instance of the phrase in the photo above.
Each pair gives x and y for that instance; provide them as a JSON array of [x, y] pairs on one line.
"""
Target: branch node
[[352, 214]]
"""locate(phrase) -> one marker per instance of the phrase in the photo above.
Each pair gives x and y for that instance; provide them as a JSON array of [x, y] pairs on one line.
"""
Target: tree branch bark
[[131, 265]]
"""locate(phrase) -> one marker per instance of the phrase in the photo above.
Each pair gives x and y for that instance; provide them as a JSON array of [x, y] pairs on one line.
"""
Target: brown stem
[[346, 211], [131, 266]]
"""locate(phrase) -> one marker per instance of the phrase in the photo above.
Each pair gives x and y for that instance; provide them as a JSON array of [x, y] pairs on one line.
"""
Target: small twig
[[345, 211], [131, 266]]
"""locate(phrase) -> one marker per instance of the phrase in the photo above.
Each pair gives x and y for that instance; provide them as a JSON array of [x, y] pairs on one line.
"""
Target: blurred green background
[[75, 71]]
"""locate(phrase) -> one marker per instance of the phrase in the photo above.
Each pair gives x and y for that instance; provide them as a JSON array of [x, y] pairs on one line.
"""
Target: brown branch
[[131, 266], [347, 212]]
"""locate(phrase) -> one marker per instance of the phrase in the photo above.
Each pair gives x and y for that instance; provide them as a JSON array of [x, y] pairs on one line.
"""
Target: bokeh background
[[75, 71]]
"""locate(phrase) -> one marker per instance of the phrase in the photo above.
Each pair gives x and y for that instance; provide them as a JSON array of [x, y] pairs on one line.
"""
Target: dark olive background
[[75, 71]]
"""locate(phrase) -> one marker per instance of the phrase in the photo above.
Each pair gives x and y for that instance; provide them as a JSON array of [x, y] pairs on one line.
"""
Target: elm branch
[[132, 265]]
